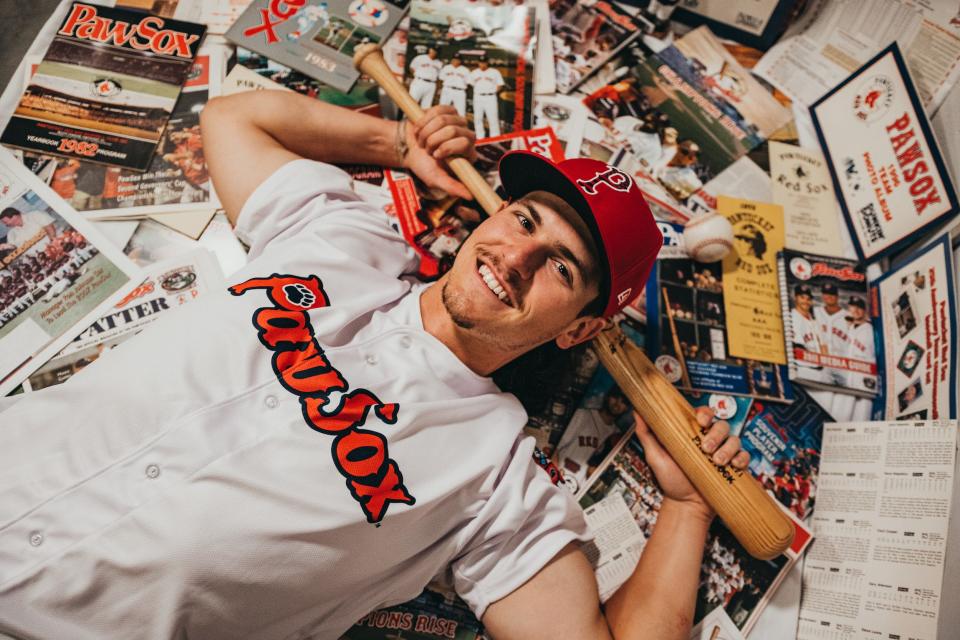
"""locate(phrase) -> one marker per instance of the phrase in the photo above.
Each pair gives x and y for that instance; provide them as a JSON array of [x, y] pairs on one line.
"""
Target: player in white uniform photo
[[455, 78], [806, 334], [22, 227], [325, 436], [426, 69], [832, 323], [486, 83], [860, 344]]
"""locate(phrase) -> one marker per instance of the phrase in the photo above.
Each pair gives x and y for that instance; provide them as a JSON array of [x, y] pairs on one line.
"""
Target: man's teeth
[[487, 276]]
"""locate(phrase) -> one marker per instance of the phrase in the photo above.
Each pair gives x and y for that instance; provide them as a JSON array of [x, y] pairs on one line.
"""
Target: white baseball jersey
[[806, 334], [276, 460], [424, 68], [455, 77], [485, 82], [861, 346], [832, 329]]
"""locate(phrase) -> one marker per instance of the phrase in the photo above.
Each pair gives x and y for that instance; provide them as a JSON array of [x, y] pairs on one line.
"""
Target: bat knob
[[361, 53]]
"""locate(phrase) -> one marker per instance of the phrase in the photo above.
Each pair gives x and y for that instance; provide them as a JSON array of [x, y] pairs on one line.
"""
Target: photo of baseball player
[[482, 60], [910, 358], [906, 397], [807, 334], [426, 71], [860, 341], [486, 82], [585, 34], [454, 79], [601, 421]]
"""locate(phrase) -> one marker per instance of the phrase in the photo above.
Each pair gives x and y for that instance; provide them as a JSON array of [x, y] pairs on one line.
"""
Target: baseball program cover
[[621, 507], [177, 178], [169, 285], [687, 335], [830, 340], [218, 15], [57, 273], [316, 37], [477, 58], [106, 87]]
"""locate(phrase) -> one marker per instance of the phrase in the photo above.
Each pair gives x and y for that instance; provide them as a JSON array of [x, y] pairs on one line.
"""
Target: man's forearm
[[658, 600], [314, 129]]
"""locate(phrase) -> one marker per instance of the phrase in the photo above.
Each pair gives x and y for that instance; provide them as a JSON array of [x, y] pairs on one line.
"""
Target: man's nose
[[523, 257]]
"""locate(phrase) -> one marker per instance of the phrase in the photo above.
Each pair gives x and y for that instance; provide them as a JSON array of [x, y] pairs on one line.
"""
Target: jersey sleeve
[[525, 523], [304, 201]]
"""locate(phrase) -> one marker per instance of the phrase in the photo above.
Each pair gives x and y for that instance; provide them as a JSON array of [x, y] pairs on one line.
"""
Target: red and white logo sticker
[[611, 176], [801, 269]]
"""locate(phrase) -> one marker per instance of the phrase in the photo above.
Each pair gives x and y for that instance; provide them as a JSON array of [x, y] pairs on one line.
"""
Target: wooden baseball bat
[[684, 376], [748, 511]]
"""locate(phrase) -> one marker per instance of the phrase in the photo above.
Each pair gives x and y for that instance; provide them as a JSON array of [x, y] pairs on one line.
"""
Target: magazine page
[[169, 285], [875, 569], [744, 178], [621, 507], [57, 273], [479, 58], [731, 87], [317, 39], [105, 94], [846, 33], [663, 130], [218, 15], [176, 179], [586, 33], [915, 306], [567, 116], [830, 339]]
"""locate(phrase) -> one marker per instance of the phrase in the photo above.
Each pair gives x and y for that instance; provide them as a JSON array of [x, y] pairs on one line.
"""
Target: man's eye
[[564, 272], [525, 222]]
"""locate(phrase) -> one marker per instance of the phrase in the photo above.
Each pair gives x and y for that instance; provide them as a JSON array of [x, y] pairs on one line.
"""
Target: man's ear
[[580, 330]]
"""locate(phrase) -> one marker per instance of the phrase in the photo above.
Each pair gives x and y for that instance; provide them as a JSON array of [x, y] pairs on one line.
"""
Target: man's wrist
[[692, 509]]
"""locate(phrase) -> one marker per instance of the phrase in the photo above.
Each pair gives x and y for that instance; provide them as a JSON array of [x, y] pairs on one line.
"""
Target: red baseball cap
[[612, 206]]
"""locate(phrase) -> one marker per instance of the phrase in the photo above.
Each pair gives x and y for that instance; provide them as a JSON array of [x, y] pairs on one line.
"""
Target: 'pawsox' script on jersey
[[373, 478]]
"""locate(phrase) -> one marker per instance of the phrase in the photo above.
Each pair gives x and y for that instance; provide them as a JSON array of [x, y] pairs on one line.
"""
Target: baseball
[[708, 238]]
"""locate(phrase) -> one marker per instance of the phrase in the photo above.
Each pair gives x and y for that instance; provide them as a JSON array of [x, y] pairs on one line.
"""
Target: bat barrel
[[753, 517]]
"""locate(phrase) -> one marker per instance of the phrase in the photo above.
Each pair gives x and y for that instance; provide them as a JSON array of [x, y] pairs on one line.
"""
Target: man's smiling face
[[524, 275]]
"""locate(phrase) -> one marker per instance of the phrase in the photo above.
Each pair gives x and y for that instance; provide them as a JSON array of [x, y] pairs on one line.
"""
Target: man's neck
[[476, 354]]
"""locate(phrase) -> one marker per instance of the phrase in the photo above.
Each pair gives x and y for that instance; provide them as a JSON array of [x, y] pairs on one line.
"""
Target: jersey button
[[36, 538], [371, 359], [272, 402], [406, 341], [152, 471]]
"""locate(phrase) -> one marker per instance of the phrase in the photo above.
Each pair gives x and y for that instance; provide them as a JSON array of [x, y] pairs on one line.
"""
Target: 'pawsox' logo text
[[361, 456]]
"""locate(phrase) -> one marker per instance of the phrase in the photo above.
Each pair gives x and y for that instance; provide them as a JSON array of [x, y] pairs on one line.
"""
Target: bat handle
[[369, 59]]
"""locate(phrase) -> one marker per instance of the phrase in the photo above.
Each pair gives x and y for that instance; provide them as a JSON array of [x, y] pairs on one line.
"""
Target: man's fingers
[[455, 147], [430, 127], [741, 460], [727, 450], [704, 416], [715, 436], [446, 134]]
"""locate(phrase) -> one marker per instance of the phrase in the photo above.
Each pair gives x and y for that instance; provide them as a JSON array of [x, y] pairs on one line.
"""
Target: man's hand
[[718, 441], [442, 133]]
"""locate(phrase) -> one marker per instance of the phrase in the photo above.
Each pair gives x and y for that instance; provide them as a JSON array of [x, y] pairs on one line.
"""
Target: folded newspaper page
[[57, 273], [169, 285], [875, 569]]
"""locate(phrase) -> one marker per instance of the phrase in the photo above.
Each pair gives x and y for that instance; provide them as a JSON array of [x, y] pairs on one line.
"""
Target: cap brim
[[524, 171]]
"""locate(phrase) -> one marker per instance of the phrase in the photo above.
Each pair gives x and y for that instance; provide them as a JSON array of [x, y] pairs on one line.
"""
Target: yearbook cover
[[316, 37], [106, 87], [829, 338], [177, 178]]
